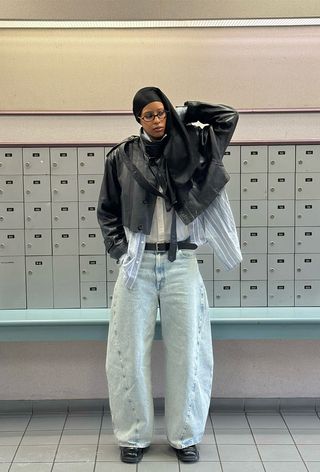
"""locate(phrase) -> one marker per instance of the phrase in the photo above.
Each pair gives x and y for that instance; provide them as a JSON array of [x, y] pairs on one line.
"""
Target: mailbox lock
[[83, 244], [272, 269], [56, 245], [299, 189], [244, 296], [55, 190], [298, 296], [272, 217], [218, 270], [28, 164], [299, 269], [300, 162], [271, 243], [111, 271], [2, 245], [84, 271], [54, 164], [299, 243], [272, 163], [56, 218], [28, 218], [84, 298], [83, 218], [245, 243], [28, 192], [244, 269], [0, 164], [245, 189], [29, 245], [218, 296], [245, 162], [245, 217], [82, 164], [272, 189], [82, 191], [30, 272], [299, 216], [1, 191], [1, 218]]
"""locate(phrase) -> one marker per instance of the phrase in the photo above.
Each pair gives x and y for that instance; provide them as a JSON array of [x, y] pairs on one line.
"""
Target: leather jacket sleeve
[[220, 121], [109, 209]]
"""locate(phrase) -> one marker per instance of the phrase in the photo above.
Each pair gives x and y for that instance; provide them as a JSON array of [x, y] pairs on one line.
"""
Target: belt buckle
[[158, 247]]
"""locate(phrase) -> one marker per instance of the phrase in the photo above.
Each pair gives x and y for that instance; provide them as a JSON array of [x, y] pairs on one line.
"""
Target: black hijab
[[181, 160]]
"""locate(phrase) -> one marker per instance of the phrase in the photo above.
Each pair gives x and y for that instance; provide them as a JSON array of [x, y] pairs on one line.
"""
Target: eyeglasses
[[149, 116]]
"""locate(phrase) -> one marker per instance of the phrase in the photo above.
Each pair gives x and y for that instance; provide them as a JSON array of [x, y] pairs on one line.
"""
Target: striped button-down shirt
[[214, 226]]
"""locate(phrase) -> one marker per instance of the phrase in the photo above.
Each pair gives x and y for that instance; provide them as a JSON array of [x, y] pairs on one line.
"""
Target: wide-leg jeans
[[179, 290]]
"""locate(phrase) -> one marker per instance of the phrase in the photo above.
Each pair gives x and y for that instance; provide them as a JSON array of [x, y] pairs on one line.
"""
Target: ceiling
[[155, 9]]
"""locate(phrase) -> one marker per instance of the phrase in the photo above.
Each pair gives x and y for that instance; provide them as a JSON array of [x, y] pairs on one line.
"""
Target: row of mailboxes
[[84, 160], [47, 242], [38, 188], [272, 159], [248, 213], [45, 188], [273, 186], [63, 282], [41, 215], [54, 161]]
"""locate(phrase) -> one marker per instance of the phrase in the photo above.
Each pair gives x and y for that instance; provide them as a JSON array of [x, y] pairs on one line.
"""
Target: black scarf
[[180, 159]]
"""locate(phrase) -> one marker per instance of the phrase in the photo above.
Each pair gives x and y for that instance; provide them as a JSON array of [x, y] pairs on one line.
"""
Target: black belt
[[163, 247]]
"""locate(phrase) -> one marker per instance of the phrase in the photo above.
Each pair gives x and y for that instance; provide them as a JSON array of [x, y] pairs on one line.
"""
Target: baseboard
[[232, 405]]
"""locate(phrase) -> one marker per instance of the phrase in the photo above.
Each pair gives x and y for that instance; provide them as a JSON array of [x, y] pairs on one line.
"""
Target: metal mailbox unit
[[52, 253]]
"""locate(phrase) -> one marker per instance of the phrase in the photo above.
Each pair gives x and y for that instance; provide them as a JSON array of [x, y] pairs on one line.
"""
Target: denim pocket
[[187, 253]]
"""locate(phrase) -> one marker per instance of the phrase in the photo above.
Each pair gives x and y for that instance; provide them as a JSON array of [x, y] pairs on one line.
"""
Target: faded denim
[[178, 288]]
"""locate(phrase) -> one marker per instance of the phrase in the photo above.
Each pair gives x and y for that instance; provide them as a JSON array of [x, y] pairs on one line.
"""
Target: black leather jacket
[[123, 202]]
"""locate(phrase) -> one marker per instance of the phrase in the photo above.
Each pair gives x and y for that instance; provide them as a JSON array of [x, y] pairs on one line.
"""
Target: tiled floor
[[233, 442]]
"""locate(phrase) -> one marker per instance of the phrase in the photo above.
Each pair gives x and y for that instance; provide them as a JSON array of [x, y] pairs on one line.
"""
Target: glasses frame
[[165, 112]]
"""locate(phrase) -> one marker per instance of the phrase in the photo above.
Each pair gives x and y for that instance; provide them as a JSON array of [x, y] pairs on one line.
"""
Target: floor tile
[[258, 420], [306, 436], [14, 423], [30, 467], [7, 453], [47, 422], [10, 438], [234, 436], [278, 453], [35, 453], [34, 437], [272, 436], [160, 453], [235, 453], [75, 453], [201, 467], [310, 421], [83, 422], [208, 452], [107, 437], [74, 467], [226, 421], [158, 467], [309, 452], [312, 466], [82, 436], [107, 423], [114, 467], [242, 467], [108, 452], [208, 438], [285, 467]]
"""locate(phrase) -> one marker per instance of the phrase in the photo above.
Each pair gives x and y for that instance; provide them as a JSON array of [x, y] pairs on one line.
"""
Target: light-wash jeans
[[178, 288]]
